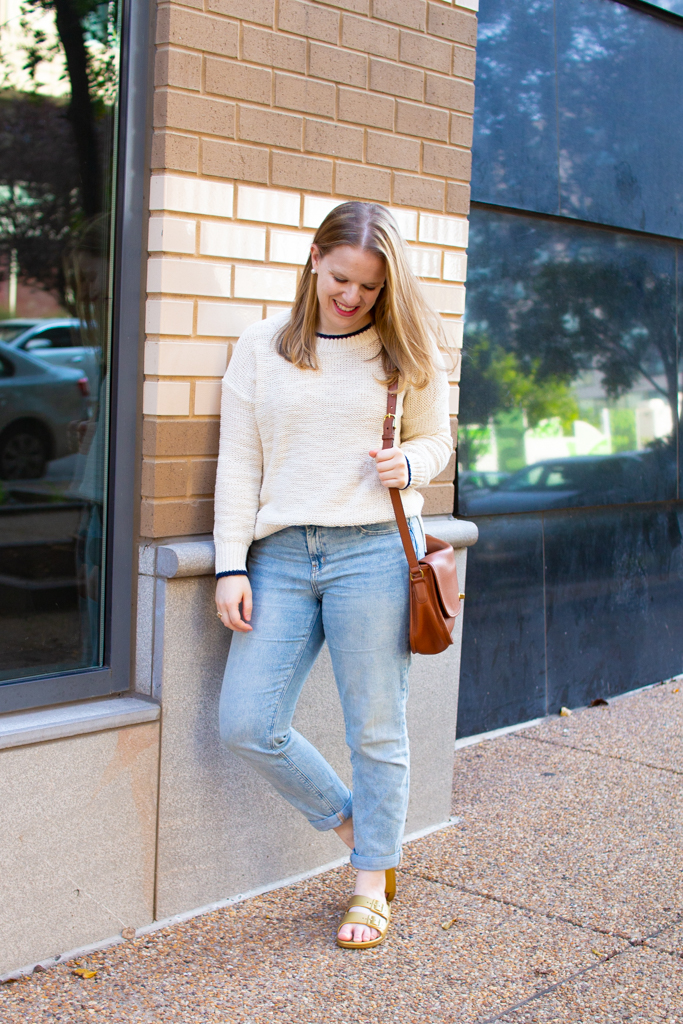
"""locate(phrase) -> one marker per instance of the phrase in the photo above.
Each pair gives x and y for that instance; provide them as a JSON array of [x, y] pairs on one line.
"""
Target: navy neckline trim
[[351, 335]]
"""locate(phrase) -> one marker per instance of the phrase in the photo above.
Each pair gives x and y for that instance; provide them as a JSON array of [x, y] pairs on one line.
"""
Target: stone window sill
[[22, 728]]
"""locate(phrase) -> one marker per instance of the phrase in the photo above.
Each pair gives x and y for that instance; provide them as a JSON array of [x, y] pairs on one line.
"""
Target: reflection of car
[[58, 342], [37, 404], [479, 480], [565, 483]]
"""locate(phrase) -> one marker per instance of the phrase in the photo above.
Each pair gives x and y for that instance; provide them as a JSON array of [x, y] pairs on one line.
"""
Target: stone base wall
[[77, 841]]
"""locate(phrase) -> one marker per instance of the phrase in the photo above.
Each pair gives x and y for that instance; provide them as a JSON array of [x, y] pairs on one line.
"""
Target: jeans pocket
[[378, 529]]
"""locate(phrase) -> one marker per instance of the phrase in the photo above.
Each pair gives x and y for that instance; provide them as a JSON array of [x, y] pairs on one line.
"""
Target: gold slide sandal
[[373, 913]]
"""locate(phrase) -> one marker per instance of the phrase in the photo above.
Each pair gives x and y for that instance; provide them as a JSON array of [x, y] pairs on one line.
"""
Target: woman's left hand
[[392, 467]]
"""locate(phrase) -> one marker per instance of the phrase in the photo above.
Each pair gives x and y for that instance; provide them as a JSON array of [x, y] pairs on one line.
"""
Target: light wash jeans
[[349, 586]]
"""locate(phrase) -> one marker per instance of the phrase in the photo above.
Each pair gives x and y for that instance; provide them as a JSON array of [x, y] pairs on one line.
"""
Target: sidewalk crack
[[600, 753], [530, 910], [551, 988], [572, 977], [631, 943]]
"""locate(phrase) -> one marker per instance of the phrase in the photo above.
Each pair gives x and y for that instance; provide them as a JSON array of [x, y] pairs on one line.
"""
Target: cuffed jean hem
[[375, 863], [334, 820]]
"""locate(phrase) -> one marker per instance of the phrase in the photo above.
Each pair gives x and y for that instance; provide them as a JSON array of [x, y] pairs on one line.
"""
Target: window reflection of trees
[[570, 334], [55, 150], [573, 112], [515, 148], [58, 93]]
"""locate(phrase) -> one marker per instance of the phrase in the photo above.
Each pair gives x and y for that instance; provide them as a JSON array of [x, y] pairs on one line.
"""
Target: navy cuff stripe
[[232, 572]]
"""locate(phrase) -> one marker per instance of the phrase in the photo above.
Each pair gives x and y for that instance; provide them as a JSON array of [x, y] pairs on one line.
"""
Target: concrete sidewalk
[[558, 897]]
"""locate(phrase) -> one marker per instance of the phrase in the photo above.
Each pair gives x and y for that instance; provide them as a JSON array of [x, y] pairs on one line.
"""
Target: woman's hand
[[231, 592], [392, 467]]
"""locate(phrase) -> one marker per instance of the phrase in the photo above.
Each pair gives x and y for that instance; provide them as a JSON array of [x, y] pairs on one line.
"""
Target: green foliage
[[473, 442], [623, 427], [495, 380], [510, 428], [100, 29]]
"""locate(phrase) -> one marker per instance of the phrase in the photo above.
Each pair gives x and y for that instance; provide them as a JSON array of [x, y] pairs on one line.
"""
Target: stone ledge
[[22, 728], [196, 557], [458, 532]]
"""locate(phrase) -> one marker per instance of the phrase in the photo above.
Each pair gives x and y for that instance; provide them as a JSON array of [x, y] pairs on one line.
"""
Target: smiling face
[[349, 281]]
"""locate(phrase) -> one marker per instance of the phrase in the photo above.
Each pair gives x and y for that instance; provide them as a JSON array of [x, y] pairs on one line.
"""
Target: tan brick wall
[[267, 113]]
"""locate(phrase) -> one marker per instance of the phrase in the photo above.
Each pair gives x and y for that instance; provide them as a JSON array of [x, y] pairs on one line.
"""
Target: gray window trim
[[131, 204]]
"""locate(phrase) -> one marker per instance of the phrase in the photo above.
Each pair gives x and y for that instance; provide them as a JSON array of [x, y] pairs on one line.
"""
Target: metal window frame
[[129, 250], [654, 10]]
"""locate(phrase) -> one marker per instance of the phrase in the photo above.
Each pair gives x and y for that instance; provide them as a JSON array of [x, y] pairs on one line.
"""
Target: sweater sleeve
[[240, 463], [426, 431]]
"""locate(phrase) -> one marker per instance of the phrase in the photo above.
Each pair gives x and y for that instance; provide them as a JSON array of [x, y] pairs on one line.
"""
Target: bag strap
[[388, 435]]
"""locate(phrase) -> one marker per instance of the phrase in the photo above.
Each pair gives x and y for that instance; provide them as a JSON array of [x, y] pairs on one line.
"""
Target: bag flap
[[440, 558]]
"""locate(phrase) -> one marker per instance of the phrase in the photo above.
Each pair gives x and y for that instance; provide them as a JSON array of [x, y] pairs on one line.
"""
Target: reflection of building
[[571, 356]]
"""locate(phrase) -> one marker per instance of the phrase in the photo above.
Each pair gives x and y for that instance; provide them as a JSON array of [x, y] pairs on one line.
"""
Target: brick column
[[266, 115]]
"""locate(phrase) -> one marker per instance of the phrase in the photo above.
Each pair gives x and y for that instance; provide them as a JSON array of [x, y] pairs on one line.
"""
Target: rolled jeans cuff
[[375, 863], [334, 820]]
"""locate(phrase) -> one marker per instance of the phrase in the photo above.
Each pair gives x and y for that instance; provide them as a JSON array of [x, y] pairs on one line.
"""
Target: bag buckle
[[389, 429]]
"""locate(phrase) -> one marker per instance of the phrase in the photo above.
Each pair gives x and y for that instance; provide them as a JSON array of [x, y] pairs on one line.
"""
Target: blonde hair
[[409, 330]]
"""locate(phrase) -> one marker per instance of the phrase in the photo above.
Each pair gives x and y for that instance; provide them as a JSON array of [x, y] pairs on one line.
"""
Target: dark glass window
[[515, 150], [58, 113], [574, 112], [570, 379]]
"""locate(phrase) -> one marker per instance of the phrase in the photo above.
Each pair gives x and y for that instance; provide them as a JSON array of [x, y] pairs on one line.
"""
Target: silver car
[[40, 407], [58, 341]]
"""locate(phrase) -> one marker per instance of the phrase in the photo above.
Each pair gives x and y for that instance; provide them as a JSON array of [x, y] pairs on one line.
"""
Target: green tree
[[78, 22], [495, 381], [53, 176], [618, 320]]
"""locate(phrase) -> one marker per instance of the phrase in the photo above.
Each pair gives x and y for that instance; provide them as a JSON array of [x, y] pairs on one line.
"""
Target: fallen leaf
[[565, 712], [595, 952], [598, 703], [448, 924], [83, 972], [675, 691], [128, 933]]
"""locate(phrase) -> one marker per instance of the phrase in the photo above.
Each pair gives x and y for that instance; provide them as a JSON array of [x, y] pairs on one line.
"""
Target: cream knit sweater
[[294, 443]]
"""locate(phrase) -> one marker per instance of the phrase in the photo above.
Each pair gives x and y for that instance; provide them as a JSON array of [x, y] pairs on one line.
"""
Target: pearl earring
[[313, 270]]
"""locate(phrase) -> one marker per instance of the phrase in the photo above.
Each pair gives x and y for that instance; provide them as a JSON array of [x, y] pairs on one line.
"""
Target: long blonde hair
[[409, 330]]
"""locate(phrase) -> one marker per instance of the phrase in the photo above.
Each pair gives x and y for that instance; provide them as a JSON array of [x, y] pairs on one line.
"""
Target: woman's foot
[[368, 883]]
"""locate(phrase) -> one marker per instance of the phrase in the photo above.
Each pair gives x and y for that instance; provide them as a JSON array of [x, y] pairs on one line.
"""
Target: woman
[[307, 547]]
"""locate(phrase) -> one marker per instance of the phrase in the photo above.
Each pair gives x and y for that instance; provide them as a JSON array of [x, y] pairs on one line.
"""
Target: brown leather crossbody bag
[[434, 591]]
